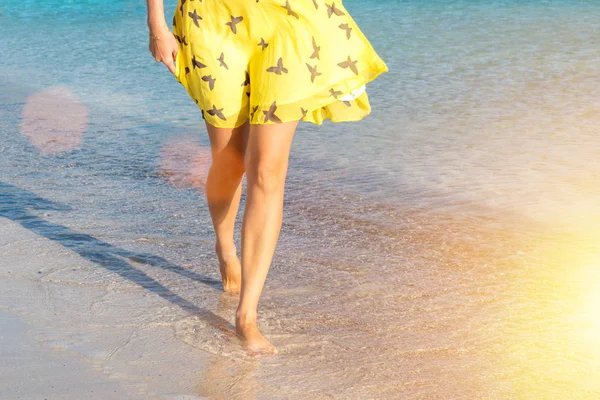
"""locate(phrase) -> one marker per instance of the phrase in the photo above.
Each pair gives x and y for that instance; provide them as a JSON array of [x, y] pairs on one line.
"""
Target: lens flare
[[184, 162], [552, 332], [54, 120], [585, 320]]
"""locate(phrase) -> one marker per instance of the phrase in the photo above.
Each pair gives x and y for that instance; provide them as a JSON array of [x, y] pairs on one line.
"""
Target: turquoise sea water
[[444, 247]]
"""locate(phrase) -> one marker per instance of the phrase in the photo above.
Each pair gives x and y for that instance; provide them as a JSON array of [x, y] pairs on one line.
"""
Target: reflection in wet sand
[[225, 378], [54, 120]]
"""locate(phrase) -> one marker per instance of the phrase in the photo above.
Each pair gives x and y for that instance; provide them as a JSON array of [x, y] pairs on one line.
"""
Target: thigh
[[228, 142]]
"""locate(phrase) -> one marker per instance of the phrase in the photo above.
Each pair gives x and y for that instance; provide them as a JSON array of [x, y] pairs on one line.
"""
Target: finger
[[171, 65]]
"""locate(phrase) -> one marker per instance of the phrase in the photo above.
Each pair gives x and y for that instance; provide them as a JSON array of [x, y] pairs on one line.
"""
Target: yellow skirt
[[273, 61]]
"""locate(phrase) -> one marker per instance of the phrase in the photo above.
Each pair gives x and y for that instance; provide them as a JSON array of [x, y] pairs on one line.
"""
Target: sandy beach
[[444, 248], [64, 337], [31, 369]]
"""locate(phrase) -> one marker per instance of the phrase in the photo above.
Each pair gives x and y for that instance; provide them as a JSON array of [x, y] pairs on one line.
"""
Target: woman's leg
[[223, 192], [266, 161]]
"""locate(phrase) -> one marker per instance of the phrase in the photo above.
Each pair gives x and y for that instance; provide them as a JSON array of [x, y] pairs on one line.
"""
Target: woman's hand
[[163, 46]]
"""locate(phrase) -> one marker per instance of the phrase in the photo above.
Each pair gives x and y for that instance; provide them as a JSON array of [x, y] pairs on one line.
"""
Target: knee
[[228, 161], [266, 175]]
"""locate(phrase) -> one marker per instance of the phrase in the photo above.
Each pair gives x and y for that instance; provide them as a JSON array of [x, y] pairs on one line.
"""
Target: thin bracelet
[[154, 37]]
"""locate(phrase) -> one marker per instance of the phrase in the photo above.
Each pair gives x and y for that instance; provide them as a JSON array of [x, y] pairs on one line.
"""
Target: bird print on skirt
[[302, 77]]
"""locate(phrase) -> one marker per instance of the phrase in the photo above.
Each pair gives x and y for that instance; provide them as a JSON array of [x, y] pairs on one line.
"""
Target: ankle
[[225, 251], [245, 318]]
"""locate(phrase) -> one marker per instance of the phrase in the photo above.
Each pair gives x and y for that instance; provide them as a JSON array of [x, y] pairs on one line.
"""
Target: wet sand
[[487, 317], [32, 370], [64, 337]]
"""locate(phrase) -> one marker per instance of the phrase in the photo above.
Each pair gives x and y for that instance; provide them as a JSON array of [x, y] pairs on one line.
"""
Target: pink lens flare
[[54, 120], [185, 163]]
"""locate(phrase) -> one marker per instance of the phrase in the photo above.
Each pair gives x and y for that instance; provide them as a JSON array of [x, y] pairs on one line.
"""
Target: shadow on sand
[[16, 204]]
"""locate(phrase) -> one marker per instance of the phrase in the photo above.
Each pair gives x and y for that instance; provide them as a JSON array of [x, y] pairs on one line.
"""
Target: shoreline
[[65, 336]]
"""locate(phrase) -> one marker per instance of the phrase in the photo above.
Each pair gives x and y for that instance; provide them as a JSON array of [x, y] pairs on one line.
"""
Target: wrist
[[156, 26]]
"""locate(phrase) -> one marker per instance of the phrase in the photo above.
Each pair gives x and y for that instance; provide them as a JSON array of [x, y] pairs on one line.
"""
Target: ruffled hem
[[321, 106]]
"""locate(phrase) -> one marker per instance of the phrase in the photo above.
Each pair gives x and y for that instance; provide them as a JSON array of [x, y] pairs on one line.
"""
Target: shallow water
[[443, 248]]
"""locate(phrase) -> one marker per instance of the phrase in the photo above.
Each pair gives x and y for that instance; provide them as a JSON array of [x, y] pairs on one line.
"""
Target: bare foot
[[253, 340], [231, 271]]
